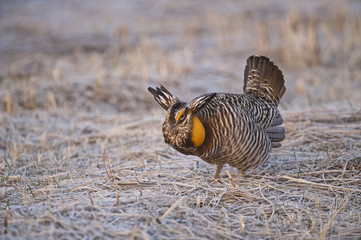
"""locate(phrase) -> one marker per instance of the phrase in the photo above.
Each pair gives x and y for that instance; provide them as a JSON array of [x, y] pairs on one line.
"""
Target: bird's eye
[[181, 116]]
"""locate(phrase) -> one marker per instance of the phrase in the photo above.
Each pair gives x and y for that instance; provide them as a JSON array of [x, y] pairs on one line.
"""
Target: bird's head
[[182, 128]]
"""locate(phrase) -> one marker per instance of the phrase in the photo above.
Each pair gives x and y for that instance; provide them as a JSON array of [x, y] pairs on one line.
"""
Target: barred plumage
[[220, 128]]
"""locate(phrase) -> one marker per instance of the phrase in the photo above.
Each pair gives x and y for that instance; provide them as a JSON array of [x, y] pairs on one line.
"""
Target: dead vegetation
[[82, 154]]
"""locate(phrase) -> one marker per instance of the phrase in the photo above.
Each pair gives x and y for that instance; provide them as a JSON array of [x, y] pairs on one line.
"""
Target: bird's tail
[[276, 132], [263, 78]]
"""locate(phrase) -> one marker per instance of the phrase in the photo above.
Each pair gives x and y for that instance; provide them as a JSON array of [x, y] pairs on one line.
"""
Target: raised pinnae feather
[[199, 102], [163, 96]]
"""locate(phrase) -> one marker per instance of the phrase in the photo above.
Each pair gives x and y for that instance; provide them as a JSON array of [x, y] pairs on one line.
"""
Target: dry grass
[[82, 154], [310, 188]]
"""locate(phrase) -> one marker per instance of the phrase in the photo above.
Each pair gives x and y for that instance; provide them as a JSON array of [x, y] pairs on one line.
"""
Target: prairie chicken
[[220, 128]]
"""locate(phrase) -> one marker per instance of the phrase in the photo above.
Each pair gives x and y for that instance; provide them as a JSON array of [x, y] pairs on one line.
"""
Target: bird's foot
[[218, 171]]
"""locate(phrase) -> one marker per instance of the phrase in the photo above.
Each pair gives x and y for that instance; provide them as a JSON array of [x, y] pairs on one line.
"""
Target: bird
[[229, 128]]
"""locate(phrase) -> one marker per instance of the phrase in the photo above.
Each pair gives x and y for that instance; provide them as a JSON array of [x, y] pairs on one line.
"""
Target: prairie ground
[[81, 149]]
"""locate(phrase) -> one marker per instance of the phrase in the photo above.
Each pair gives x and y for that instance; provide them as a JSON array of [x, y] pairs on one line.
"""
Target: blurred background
[[103, 55], [73, 84]]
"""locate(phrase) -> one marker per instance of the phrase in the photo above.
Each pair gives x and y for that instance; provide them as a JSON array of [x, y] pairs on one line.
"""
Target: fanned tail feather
[[275, 132], [263, 78]]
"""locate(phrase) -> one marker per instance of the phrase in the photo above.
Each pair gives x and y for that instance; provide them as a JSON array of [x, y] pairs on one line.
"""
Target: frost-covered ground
[[73, 84]]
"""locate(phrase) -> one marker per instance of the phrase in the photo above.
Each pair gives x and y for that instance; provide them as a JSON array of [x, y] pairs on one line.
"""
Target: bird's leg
[[218, 171]]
